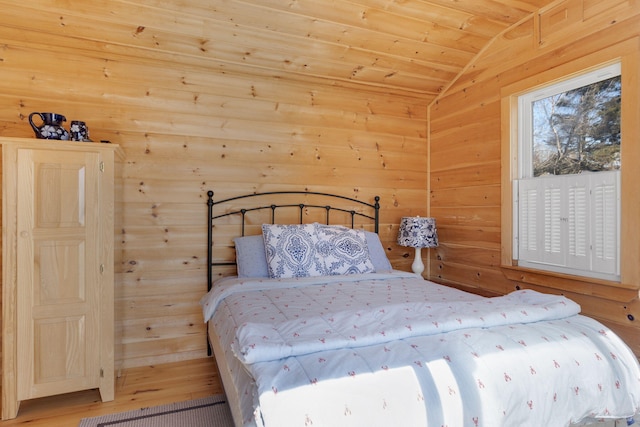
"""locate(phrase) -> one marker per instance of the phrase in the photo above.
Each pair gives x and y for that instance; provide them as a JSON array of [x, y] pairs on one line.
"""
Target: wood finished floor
[[136, 388]]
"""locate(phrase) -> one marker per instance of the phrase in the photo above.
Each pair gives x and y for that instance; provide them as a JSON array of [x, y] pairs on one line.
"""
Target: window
[[566, 196]]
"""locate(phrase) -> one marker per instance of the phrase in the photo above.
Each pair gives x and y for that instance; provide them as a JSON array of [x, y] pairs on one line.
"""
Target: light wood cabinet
[[57, 270]]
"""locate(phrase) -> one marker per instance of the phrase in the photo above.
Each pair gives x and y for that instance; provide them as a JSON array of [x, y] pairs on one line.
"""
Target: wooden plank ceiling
[[417, 46], [413, 46]]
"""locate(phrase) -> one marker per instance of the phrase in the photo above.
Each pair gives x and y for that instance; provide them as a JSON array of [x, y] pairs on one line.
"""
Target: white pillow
[[344, 250], [291, 251]]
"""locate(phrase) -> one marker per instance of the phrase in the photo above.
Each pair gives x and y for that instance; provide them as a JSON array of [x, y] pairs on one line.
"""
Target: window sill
[[614, 291]]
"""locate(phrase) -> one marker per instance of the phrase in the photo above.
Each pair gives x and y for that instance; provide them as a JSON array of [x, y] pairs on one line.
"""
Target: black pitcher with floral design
[[51, 127]]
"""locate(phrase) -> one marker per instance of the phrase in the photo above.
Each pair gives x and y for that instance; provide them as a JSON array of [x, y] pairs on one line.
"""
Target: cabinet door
[[58, 272]]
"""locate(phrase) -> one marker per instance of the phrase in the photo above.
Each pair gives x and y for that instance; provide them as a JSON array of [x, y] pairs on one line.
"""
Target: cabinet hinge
[[101, 166], [101, 373], [101, 268]]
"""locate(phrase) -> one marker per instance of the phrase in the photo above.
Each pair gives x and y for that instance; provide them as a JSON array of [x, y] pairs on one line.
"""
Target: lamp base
[[418, 265]]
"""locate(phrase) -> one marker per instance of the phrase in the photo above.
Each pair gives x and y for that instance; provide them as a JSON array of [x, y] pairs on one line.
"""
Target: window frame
[[628, 54], [561, 261]]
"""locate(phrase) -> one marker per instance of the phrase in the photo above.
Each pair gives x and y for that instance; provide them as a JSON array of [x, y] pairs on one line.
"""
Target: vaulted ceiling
[[413, 46], [418, 46]]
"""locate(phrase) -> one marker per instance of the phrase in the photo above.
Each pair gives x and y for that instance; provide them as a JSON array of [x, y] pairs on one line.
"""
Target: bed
[[311, 326]]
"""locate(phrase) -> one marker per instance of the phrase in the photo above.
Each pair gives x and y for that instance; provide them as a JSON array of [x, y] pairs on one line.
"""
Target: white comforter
[[371, 352]]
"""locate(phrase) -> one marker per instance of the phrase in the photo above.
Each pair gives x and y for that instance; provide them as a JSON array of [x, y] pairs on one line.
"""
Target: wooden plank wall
[[465, 149], [193, 113]]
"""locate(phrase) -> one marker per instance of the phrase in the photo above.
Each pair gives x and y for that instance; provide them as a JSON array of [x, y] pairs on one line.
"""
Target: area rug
[[210, 411]]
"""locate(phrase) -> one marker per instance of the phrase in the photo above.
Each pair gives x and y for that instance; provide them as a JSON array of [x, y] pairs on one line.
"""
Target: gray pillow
[[377, 253], [251, 257]]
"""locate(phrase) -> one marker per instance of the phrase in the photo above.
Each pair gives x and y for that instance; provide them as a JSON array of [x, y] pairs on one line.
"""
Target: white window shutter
[[553, 236], [605, 212], [578, 220], [570, 222], [527, 222]]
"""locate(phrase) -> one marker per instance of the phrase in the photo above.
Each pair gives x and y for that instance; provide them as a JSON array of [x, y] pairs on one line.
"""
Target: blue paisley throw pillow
[[291, 251], [308, 250], [344, 250]]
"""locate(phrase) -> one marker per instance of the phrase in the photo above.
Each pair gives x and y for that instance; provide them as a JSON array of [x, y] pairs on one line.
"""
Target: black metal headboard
[[371, 213]]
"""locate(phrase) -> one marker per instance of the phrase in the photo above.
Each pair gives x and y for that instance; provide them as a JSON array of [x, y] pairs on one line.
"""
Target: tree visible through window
[[578, 130]]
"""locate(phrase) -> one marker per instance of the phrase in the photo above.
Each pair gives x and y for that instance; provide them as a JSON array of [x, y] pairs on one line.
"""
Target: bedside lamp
[[418, 232]]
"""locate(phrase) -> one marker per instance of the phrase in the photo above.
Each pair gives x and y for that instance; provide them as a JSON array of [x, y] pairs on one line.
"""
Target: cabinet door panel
[[60, 336], [58, 272], [59, 195]]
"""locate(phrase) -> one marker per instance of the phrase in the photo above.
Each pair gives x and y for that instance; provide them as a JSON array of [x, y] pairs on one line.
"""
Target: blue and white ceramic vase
[[51, 127]]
